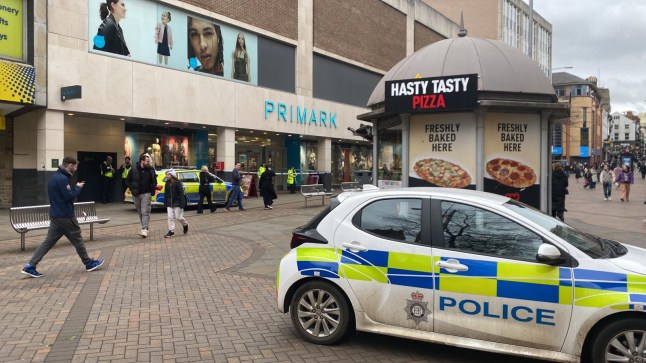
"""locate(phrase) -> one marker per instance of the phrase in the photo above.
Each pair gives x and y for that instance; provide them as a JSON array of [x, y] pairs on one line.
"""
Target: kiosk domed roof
[[500, 67]]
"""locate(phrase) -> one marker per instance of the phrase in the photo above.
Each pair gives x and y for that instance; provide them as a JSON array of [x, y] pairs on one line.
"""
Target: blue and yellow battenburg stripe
[[523, 281]]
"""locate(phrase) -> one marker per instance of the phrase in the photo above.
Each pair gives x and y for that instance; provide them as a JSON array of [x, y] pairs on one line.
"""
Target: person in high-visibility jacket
[[107, 173], [291, 180], [124, 169]]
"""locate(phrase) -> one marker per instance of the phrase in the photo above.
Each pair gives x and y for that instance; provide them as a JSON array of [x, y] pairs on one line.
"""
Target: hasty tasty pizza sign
[[428, 95]]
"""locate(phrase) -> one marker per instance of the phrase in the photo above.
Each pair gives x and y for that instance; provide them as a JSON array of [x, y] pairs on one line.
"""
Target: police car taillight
[[306, 236]]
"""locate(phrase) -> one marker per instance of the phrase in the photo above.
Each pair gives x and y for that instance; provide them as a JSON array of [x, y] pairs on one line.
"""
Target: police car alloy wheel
[[320, 313], [620, 341]]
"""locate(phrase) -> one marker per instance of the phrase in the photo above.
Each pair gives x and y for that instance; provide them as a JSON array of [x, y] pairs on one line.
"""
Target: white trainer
[[143, 233]]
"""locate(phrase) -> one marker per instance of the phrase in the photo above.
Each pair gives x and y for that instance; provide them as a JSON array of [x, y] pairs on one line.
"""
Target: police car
[[191, 180], [468, 269]]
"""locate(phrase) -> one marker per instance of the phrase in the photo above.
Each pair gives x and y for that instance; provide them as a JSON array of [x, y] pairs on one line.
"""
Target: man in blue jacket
[[63, 222]]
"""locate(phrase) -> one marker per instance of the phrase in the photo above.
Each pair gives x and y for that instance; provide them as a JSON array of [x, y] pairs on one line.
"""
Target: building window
[[580, 90], [627, 127], [616, 136], [616, 127], [560, 91], [615, 117], [626, 136]]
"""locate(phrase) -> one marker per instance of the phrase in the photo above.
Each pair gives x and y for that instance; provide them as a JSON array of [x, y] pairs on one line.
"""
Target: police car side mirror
[[549, 254]]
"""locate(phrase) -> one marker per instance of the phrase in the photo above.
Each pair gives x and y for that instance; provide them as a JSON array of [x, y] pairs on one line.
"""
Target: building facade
[[180, 85], [504, 20], [580, 137]]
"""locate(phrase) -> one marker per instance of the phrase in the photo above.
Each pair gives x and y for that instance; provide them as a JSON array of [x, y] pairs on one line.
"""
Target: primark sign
[[428, 95]]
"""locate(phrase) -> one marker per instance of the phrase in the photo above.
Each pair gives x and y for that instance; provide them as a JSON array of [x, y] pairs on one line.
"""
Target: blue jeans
[[236, 193], [607, 190]]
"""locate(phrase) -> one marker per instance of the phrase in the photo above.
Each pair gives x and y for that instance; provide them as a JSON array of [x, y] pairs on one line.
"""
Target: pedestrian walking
[[577, 173], [124, 170], [142, 182], [642, 169], [236, 192], [291, 180], [175, 202], [62, 218], [616, 171], [206, 178], [625, 179], [559, 190], [107, 174], [607, 177], [267, 183], [593, 177]]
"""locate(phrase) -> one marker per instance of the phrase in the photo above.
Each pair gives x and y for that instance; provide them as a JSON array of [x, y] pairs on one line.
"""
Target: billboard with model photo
[[159, 34]]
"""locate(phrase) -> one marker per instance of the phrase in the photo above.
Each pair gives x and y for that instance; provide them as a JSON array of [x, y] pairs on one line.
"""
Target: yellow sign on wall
[[17, 82], [11, 28]]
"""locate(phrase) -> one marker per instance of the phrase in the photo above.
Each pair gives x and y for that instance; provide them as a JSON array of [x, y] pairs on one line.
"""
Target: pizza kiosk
[[465, 113]]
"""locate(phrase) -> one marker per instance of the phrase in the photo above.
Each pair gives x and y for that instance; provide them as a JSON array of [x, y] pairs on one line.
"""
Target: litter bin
[[363, 176]]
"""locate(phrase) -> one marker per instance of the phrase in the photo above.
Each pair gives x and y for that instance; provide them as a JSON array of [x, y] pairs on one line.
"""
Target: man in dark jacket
[[559, 190], [63, 221], [236, 193], [142, 182], [107, 176]]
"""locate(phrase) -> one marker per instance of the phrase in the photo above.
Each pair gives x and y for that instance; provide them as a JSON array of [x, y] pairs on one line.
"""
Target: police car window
[[471, 229], [393, 219], [188, 177]]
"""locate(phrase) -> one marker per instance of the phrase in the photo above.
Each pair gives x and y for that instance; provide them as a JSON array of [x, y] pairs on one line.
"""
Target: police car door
[[490, 286], [386, 259]]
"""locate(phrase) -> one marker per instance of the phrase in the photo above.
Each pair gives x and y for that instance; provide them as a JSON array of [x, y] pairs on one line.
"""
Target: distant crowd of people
[[622, 176]]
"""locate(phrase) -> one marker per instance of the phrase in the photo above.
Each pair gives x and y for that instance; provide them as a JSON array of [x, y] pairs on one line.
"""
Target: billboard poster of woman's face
[[166, 36]]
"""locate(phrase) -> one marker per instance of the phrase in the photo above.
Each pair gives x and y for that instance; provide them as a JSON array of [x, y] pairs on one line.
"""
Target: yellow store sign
[[11, 28]]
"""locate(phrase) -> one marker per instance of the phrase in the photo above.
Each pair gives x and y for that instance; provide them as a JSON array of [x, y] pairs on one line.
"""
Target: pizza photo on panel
[[511, 173], [442, 173]]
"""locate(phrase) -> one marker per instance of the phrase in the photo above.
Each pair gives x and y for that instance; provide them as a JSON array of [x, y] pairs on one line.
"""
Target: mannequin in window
[[157, 157]]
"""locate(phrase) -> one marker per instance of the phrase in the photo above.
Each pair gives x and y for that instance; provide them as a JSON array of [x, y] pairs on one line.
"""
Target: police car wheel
[[620, 341], [320, 313]]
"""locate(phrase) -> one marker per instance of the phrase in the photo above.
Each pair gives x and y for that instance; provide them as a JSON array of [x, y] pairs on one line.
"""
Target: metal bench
[[314, 190], [25, 219]]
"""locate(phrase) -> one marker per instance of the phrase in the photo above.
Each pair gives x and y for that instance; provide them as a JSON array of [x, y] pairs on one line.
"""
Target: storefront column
[[405, 148], [50, 139], [226, 147], [325, 161], [304, 50], [545, 162], [480, 162], [375, 152]]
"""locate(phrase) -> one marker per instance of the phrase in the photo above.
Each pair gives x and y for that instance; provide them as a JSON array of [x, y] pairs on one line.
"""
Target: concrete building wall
[[350, 29], [425, 36], [6, 165], [278, 16], [480, 16]]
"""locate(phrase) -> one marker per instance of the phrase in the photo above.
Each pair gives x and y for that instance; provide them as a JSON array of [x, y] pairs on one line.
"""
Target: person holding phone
[[63, 220]]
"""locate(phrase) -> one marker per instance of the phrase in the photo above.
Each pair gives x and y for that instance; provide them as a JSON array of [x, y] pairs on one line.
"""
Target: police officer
[[291, 179], [124, 169], [107, 172]]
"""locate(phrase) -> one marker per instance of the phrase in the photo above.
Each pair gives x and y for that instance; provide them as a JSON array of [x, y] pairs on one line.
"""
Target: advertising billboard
[[512, 156], [12, 39], [166, 36], [428, 95], [443, 150]]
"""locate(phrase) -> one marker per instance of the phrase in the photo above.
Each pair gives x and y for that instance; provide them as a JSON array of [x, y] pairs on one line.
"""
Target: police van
[[467, 269]]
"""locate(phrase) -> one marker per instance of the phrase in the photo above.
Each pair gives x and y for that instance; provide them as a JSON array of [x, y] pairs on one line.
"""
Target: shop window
[[389, 154], [351, 163]]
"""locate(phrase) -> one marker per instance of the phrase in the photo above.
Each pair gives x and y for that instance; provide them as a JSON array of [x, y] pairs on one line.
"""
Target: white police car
[[468, 269]]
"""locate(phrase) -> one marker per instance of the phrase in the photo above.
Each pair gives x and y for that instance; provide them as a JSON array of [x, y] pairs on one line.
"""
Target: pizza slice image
[[442, 173], [511, 173]]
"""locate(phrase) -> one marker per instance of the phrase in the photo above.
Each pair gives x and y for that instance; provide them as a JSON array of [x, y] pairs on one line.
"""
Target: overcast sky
[[603, 38]]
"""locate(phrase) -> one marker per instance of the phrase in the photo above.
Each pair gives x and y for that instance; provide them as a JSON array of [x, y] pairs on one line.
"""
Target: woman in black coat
[[206, 179], [559, 190], [109, 37], [267, 187]]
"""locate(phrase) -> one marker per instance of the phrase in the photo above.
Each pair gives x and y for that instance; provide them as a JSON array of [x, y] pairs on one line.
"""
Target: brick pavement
[[204, 297]]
